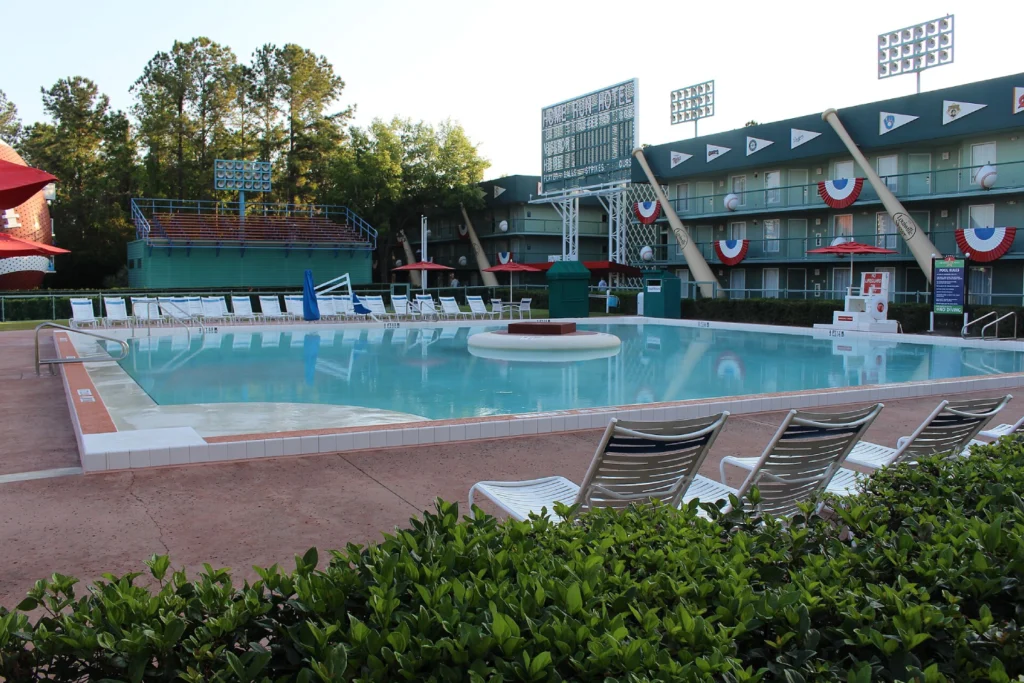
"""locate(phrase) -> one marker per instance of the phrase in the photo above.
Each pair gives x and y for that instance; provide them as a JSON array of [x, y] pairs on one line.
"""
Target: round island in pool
[[544, 348]]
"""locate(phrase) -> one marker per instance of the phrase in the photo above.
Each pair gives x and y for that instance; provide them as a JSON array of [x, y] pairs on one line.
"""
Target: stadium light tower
[[692, 103], [241, 176], [916, 48]]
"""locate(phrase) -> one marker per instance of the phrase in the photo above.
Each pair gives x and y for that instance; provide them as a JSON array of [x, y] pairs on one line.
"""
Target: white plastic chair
[[195, 307], [293, 306], [497, 309], [328, 310], [803, 458], [635, 462], [400, 303], [425, 303], [477, 308], [1002, 430], [241, 309], [82, 314], [146, 310], [175, 308], [270, 308], [376, 306], [213, 309], [450, 308], [524, 307], [117, 312]]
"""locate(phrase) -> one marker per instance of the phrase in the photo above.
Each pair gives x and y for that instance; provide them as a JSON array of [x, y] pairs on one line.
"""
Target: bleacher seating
[[293, 230]]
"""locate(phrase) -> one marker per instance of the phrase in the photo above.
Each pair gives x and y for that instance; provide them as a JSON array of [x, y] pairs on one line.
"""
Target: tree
[[751, 122], [10, 124]]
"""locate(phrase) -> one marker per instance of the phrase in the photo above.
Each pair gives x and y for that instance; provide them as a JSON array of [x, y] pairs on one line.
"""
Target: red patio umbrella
[[18, 183], [512, 267], [12, 246], [423, 266], [600, 267], [851, 248]]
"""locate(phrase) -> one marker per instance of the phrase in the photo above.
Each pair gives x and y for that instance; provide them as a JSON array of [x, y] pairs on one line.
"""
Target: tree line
[[196, 103]]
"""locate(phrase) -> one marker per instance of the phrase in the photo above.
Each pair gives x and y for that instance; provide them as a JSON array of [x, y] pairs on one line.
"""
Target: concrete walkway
[[265, 511]]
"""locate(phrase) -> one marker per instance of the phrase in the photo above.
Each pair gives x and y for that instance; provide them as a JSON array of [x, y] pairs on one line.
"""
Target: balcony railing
[[949, 182], [516, 226]]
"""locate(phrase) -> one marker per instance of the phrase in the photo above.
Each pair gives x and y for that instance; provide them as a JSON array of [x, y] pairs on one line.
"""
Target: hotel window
[[981, 154], [885, 231], [739, 188], [682, 197], [738, 230], [980, 285], [772, 182], [982, 216], [842, 225], [772, 233], [843, 169]]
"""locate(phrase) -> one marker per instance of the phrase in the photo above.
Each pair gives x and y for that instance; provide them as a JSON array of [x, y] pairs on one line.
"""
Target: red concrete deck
[[264, 511]]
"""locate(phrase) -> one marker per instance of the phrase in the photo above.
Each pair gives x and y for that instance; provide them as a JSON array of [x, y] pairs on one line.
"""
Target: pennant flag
[[677, 158], [757, 144], [731, 252], [799, 137], [498, 191], [463, 232], [888, 121], [1018, 100], [504, 256], [842, 192], [647, 212], [715, 151], [953, 110], [985, 244]]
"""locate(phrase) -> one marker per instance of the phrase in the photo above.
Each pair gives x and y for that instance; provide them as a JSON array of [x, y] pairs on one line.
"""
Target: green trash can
[[662, 295], [568, 290]]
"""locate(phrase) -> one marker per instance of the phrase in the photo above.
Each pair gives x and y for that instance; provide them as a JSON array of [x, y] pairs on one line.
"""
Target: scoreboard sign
[[589, 140]]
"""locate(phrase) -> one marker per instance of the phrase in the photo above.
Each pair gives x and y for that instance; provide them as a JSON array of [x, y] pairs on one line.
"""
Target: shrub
[[925, 587]]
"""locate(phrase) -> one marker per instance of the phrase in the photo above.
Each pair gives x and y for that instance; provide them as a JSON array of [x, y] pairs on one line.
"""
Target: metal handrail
[[80, 359], [963, 330], [995, 322]]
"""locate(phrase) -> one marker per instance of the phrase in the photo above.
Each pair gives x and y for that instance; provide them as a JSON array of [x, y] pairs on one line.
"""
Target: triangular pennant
[[676, 158], [715, 151], [888, 121], [498, 191], [954, 111], [757, 144], [1018, 100], [799, 137]]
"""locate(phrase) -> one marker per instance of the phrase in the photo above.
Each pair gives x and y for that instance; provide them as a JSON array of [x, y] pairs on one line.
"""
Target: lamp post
[[424, 232], [692, 103], [50, 194]]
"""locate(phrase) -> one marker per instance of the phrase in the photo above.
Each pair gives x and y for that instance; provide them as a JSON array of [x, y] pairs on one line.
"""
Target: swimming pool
[[428, 372]]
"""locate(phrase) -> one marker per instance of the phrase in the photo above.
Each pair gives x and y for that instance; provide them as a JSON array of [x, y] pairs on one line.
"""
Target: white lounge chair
[[635, 462], [377, 307], [146, 310], [214, 309], [450, 308], [802, 459], [270, 308], [477, 308], [82, 314], [117, 312], [400, 303], [425, 304], [175, 308], [328, 308], [1002, 430], [293, 306], [195, 307], [497, 309], [524, 307], [241, 309]]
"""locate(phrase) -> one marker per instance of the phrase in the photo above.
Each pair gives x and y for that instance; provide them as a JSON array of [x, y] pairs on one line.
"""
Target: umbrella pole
[[851, 275]]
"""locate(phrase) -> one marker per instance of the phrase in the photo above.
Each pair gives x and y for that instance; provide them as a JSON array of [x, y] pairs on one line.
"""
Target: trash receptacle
[[662, 295], [568, 290]]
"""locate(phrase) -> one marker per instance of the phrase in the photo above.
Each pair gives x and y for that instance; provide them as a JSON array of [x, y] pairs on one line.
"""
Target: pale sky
[[493, 65]]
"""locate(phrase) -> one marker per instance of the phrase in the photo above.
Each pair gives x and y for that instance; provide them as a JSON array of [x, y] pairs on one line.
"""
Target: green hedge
[[917, 579], [808, 312]]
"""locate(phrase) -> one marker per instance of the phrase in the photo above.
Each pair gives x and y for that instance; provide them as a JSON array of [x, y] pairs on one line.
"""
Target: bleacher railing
[[143, 210]]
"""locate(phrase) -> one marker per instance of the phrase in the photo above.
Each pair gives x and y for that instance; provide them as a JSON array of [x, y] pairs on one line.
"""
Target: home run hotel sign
[[589, 140]]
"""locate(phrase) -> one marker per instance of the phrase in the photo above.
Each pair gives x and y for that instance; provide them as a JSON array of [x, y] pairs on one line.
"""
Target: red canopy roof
[[513, 267], [849, 248], [600, 267], [18, 183], [423, 265], [12, 246]]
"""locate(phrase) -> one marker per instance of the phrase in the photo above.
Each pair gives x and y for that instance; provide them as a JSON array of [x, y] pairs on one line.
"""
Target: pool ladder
[[83, 359], [1011, 314]]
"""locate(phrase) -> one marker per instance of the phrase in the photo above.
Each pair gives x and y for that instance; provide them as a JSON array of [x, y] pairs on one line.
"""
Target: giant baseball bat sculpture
[[920, 246], [414, 275], [694, 259], [478, 251]]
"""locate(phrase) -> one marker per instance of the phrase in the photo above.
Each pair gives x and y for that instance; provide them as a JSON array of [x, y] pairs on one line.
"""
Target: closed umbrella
[[851, 248], [310, 308], [511, 267], [18, 183]]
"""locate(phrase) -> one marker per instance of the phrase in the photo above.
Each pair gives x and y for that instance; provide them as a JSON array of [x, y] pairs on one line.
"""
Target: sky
[[492, 66]]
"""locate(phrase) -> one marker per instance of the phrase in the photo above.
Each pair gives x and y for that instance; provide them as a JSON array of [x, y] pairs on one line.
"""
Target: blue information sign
[[949, 280]]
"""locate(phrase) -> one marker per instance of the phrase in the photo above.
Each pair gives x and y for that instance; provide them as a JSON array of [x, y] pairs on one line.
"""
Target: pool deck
[[258, 512]]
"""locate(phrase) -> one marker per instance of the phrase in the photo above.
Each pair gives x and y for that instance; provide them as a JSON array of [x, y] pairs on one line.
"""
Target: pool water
[[430, 372]]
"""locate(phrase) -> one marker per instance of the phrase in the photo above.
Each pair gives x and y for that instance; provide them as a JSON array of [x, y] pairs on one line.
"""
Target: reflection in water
[[429, 371]]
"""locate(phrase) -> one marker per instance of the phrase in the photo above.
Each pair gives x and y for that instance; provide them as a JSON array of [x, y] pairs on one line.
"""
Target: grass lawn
[[26, 324]]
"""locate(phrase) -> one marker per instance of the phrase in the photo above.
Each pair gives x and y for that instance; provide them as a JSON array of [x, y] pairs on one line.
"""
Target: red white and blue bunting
[[647, 212], [731, 252], [729, 366], [985, 244], [841, 192], [463, 232], [504, 257]]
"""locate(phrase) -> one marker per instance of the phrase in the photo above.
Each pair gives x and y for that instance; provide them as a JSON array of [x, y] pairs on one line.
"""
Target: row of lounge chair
[[637, 462], [214, 309]]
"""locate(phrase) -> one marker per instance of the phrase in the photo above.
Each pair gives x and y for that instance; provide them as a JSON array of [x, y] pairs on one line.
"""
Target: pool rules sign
[[949, 280]]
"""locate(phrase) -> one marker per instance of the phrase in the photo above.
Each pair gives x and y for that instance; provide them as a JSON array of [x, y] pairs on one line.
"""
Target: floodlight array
[[693, 102], [245, 176], [916, 48]]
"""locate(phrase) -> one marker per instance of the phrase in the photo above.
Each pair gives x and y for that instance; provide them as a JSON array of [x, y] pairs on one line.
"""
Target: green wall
[[178, 268]]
